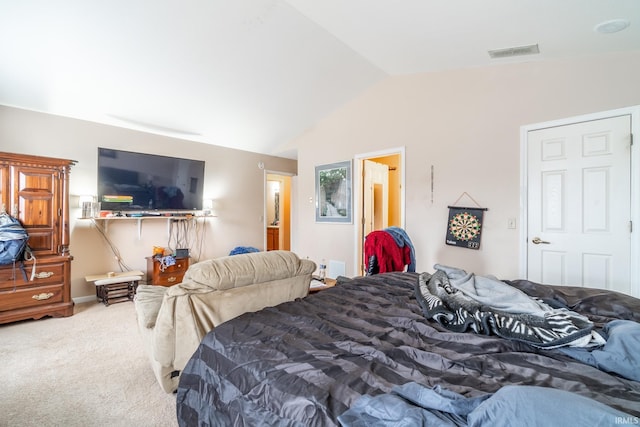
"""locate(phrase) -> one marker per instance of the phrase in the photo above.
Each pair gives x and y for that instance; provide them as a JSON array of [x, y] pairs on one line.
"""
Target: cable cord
[[200, 234], [123, 266], [178, 235], [183, 232]]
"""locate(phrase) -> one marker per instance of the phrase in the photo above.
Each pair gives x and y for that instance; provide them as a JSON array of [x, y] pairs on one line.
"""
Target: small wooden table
[[159, 275], [316, 285], [117, 287]]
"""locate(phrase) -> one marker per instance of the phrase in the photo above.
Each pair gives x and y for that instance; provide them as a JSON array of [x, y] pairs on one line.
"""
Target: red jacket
[[387, 255]]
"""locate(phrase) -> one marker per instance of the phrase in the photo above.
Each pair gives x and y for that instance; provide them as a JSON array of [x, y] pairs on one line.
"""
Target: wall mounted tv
[[129, 181]]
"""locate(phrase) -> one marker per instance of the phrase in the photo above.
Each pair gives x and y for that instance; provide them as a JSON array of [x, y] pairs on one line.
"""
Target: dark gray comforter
[[306, 362]]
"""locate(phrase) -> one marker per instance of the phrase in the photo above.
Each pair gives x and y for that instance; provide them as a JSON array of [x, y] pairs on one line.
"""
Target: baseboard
[[80, 300]]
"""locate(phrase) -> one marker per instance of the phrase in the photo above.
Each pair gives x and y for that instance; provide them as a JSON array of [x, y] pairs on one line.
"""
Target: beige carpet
[[85, 370]]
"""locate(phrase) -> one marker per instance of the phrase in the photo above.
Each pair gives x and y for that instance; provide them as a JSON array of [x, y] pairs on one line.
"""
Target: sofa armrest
[[148, 301]]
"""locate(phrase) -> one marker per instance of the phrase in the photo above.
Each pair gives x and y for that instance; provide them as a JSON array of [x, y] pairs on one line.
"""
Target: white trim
[[634, 112], [264, 209], [357, 183], [275, 172]]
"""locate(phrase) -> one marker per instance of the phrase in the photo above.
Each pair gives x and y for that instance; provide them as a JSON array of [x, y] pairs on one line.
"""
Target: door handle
[[537, 241]]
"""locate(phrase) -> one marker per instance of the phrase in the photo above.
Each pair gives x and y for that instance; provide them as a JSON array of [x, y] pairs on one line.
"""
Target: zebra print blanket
[[536, 323]]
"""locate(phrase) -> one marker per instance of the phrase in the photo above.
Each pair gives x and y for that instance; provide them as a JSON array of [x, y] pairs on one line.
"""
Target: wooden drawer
[[31, 296], [273, 238], [170, 276], [46, 273], [168, 279]]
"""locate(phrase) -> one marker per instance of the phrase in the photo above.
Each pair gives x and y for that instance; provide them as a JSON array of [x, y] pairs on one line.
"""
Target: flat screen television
[[129, 181]]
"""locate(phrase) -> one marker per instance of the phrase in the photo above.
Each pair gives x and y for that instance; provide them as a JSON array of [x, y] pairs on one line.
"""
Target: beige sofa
[[174, 320]]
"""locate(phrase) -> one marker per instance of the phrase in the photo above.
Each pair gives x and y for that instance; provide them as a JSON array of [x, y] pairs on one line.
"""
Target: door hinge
[[630, 226], [631, 138]]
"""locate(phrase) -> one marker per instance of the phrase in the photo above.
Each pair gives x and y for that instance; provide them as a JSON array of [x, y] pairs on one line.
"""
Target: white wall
[[466, 124], [232, 179]]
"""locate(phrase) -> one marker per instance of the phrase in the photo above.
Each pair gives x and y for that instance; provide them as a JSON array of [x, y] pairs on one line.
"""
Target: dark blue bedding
[[306, 362]]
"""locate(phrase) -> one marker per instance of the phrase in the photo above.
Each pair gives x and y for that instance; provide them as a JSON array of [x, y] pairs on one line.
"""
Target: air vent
[[514, 51], [612, 26]]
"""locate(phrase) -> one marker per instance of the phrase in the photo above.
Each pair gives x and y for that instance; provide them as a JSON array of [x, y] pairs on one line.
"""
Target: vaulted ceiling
[[254, 74]]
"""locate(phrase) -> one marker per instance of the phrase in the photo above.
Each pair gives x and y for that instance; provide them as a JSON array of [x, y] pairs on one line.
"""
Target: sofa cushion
[[148, 301], [244, 269]]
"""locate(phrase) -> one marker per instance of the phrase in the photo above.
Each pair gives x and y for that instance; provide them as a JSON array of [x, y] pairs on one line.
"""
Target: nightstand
[[158, 275], [317, 285]]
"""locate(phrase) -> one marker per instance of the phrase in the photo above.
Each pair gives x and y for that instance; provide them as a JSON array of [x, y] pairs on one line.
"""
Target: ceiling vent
[[612, 26], [514, 51]]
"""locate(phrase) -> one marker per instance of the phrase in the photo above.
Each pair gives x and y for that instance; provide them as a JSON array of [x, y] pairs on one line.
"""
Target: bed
[[308, 361]]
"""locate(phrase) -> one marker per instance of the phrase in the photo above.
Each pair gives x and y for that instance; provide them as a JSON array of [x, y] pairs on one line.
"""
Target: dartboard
[[464, 226]]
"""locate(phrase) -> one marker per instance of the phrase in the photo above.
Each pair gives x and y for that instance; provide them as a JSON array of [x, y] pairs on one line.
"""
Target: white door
[[579, 204], [375, 196]]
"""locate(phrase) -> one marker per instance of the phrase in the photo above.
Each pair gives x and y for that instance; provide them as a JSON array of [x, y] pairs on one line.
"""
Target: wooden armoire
[[35, 190]]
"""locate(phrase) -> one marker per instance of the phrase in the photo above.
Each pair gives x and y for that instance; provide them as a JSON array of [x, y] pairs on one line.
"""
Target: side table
[[316, 285], [115, 287], [159, 275]]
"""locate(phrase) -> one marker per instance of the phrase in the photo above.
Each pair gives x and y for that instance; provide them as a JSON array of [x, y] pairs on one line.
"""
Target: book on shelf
[[116, 198]]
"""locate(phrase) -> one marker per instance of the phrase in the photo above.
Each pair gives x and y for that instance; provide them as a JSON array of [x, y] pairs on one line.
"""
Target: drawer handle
[[171, 279], [43, 275], [43, 296]]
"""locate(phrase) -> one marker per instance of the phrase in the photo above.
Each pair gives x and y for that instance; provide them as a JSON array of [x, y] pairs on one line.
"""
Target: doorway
[[379, 196], [277, 212], [581, 187]]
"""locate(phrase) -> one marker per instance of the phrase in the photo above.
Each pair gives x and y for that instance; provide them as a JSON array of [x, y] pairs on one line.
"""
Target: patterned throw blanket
[[463, 302]]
